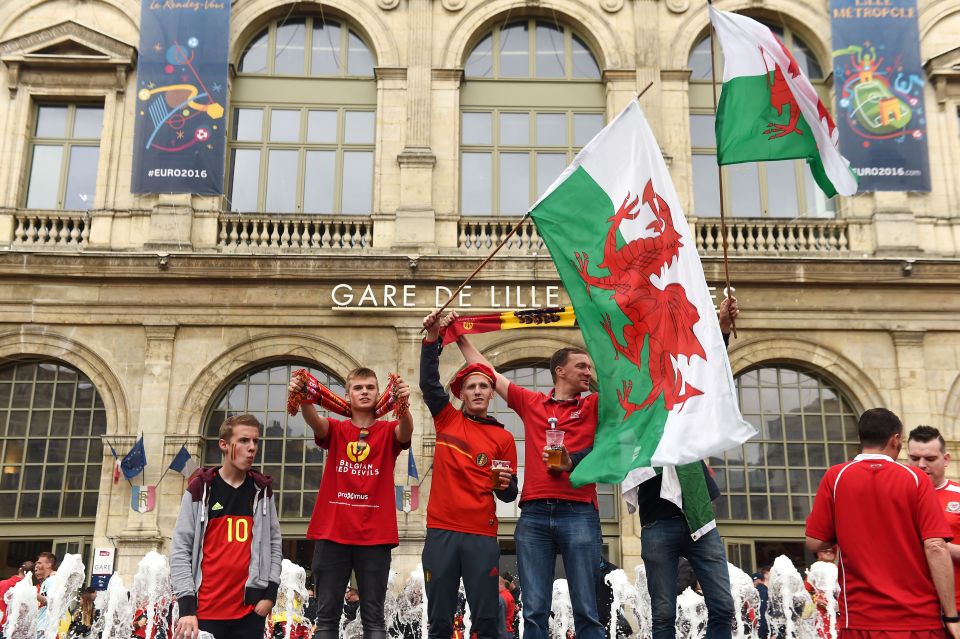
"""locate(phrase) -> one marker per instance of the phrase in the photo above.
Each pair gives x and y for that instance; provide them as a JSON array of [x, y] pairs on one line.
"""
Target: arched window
[[805, 425], [537, 378], [532, 98], [51, 423], [287, 451], [782, 189], [302, 125]]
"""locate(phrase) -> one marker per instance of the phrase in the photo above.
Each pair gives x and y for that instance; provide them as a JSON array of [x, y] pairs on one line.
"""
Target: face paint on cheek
[[233, 452]]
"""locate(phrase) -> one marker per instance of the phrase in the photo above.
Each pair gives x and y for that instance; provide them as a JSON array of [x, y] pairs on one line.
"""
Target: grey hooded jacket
[[186, 554]]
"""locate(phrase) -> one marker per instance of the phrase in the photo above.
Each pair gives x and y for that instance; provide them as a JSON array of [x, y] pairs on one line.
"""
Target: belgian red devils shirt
[[949, 496], [226, 550], [356, 501]]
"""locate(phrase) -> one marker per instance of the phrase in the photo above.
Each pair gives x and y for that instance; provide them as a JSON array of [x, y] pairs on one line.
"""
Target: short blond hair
[[226, 428], [361, 372]]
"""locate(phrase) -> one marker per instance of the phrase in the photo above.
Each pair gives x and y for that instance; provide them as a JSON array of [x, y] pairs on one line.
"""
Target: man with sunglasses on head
[[353, 523], [461, 514]]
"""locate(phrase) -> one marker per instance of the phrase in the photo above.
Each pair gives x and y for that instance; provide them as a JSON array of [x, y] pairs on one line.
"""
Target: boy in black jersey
[[228, 529]]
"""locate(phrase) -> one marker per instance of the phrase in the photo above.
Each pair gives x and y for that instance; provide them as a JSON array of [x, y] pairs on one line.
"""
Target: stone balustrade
[[771, 237], [480, 235], [43, 229], [255, 232]]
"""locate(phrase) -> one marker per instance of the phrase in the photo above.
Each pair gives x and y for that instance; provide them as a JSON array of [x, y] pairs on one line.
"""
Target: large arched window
[[532, 97], [783, 189], [51, 423], [287, 451], [805, 425], [302, 125], [536, 377]]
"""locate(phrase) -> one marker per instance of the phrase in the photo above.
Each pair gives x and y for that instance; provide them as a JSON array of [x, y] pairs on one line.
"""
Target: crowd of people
[[887, 523]]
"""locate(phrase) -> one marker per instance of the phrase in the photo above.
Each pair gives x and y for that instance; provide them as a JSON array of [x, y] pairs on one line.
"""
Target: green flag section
[[768, 109], [624, 252], [683, 485]]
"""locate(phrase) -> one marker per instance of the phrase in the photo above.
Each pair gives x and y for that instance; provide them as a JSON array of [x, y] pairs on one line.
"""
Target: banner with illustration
[[879, 87], [180, 138]]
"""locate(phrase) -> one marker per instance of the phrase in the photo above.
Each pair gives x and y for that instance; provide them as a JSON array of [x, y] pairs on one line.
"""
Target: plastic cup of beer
[[554, 445], [496, 466]]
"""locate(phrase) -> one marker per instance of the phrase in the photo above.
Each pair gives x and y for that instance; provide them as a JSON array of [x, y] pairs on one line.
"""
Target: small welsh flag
[[769, 110]]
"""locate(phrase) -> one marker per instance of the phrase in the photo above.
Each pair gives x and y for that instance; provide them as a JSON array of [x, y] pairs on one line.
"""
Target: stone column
[[412, 525], [415, 215], [915, 406], [142, 532]]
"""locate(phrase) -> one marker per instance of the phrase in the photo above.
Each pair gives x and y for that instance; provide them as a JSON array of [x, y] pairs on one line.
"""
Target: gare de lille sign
[[506, 296]]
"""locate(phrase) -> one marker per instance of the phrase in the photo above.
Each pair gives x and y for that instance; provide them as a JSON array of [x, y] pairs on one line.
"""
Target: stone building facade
[[129, 314]]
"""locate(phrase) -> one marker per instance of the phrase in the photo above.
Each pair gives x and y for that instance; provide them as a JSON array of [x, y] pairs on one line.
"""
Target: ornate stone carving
[[388, 5], [678, 6], [611, 6], [453, 5]]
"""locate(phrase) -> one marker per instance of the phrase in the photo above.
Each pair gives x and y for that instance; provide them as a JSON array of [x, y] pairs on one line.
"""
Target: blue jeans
[[546, 527], [662, 543]]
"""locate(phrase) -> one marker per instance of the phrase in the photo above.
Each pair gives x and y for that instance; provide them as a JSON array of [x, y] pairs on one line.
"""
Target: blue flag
[[412, 465], [135, 461]]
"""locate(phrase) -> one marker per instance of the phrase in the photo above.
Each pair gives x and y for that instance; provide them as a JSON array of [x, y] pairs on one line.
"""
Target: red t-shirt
[[461, 495], [511, 608], [949, 496], [879, 512], [577, 418], [227, 544], [355, 504]]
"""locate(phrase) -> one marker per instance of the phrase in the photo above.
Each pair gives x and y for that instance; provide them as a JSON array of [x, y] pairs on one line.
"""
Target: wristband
[[953, 619]]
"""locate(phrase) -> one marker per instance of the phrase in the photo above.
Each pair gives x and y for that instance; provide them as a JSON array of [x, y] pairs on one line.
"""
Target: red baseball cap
[[471, 369]]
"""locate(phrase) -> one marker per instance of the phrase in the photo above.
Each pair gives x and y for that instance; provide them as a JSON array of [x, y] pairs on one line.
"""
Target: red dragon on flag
[[665, 316]]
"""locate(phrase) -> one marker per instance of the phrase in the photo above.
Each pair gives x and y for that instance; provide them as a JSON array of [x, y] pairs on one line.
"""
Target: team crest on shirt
[[482, 460], [953, 506], [575, 415], [358, 451]]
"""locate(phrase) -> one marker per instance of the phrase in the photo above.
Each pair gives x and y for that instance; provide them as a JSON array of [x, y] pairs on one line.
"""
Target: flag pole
[[723, 216], [504, 241]]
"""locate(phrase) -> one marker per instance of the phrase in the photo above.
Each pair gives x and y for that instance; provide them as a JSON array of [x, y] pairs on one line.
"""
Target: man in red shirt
[[461, 514], [225, 554], [927, 451], [509, 608], [354, 522], [895, 571], [6, 585], [555, 517]]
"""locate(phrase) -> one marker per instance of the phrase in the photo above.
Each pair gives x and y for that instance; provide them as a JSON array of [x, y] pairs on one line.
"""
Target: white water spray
[[691, 615], [152, 594], [22, 608], [746, 599], [822, 575], [562, 609], [117, 614], [789, 607], [61, 591]]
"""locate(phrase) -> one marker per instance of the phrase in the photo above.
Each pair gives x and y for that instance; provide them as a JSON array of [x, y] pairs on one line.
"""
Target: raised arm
[[404, 430], [434, 396], [474, 356], [319, 424]]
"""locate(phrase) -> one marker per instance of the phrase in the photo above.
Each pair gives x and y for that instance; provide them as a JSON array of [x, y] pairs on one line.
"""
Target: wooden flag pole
[[723, 216]]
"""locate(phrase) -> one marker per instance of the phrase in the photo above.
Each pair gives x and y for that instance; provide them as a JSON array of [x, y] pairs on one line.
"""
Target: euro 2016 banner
[[180, 138], [879, 88]]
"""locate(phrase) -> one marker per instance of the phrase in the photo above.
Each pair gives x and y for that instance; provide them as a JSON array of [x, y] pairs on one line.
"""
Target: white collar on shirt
[[877, 456]]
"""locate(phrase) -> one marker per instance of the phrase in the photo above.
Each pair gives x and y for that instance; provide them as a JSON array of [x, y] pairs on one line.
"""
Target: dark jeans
[[546, 527], [662, 543], [247, 627], [332, 565], [449, 556]]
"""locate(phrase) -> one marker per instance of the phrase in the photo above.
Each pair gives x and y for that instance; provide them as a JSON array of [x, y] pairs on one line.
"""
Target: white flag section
[[651, 284]]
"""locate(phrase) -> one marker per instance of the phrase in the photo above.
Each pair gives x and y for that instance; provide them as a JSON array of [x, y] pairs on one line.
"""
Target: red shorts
[[848, 633]]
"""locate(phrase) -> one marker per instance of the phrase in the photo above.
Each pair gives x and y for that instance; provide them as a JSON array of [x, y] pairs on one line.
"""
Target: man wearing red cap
[[461, 514], [555, 518]]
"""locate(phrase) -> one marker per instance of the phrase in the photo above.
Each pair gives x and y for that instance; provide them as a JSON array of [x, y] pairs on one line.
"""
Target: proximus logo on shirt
[[358, 469]]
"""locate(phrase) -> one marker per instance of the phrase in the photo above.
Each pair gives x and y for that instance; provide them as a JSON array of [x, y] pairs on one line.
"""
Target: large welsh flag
[[769, 110], [625, 254]]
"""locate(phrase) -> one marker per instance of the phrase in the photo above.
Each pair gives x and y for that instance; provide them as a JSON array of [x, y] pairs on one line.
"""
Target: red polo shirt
[[461, 495], [577, 418], [879, 512], [949, 496]]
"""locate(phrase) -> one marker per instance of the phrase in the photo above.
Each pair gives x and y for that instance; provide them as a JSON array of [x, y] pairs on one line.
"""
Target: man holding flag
[[628, 260]]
